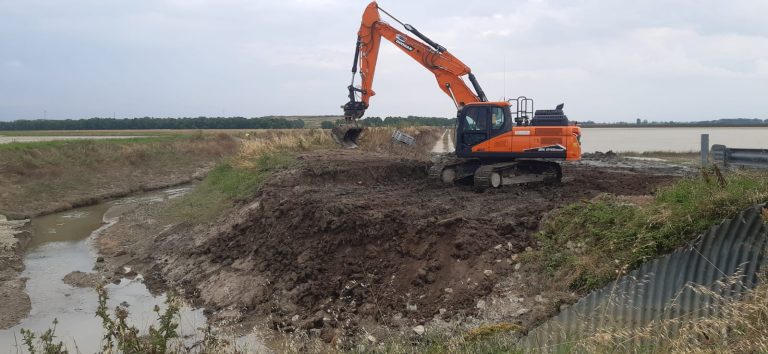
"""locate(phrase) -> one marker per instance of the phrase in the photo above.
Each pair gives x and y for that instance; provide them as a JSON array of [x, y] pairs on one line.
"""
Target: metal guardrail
[[740, 157], [666, 288], [401, 137]]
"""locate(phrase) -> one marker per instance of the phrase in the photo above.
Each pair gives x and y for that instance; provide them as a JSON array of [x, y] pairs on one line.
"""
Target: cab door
[[473, 128]]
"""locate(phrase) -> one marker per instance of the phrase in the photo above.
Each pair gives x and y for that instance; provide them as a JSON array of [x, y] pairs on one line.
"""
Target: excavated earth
[[347, 238]]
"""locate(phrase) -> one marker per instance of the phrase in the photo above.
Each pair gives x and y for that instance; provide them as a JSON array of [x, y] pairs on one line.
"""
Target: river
[[684, 139], [62, 243]]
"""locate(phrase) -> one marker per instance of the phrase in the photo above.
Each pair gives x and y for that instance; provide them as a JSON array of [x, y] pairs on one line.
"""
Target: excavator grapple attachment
[[347, 135]]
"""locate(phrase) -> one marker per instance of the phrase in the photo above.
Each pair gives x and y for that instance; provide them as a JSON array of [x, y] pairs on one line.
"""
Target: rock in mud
[[80, 279], [419, 330]]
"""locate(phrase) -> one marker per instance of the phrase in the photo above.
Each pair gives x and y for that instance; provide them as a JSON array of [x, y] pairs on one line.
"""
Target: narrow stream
[[62, 243]]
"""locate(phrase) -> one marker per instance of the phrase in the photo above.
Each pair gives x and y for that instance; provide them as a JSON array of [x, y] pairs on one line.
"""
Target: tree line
[[154, 123], [726, 122], [408, 121]]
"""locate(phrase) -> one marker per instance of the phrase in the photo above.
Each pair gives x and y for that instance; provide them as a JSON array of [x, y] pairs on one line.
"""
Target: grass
[[448, 338], [52, 144], [40, 177], [120, 337], [740, 325], [136, 132], [239, 177], [586, 245]]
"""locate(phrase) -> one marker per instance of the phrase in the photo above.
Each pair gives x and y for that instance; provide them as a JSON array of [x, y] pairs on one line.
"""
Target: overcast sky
[[607, 60]]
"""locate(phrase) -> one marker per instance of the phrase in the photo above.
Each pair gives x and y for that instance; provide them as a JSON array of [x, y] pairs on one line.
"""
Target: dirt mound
[[349, 237]]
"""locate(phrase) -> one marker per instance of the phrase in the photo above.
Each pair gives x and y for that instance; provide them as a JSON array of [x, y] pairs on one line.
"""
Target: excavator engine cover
[[346, 135]]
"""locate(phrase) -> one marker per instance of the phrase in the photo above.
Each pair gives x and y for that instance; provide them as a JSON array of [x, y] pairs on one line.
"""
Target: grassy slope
[[239, 177], [40, 177], [586, 245]]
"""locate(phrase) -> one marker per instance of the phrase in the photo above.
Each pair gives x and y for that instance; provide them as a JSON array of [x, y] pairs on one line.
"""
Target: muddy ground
[[14, 302], [350, 239]]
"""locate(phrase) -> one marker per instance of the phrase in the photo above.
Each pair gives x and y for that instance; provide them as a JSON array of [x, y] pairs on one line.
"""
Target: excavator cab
[[480, 122]]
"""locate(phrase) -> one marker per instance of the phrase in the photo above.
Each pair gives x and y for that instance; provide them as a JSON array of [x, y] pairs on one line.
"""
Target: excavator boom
[[448, 70]]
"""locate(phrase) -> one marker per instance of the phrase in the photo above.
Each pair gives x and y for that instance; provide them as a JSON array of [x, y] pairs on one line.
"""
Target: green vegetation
[[154, 123], [41, 177], [239, 177], [584, 246], [225, 185], [120, 337]]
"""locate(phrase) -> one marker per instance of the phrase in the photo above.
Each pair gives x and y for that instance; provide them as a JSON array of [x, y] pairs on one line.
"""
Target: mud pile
[[350, 238]]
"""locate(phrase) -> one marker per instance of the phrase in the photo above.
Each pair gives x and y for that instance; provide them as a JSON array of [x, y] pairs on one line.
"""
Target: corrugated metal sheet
[[665, 287]]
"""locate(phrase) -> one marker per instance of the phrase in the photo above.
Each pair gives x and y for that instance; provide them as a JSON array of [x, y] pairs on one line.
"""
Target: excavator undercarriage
[[494, 175]]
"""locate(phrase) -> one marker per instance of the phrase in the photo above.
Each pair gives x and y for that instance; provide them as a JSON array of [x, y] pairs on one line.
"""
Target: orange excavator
[[497, 143]]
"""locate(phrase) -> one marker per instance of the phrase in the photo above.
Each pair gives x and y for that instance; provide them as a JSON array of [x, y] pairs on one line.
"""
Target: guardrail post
[[704, 150]]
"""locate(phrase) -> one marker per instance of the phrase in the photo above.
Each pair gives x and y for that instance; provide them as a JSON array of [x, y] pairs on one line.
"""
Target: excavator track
[[453, 170], [518, 172]]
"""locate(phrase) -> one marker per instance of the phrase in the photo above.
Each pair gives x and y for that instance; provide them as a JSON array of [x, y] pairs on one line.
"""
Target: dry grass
[[738, 325], [256, 144], [379, 139], [584, 246], [43, 177]]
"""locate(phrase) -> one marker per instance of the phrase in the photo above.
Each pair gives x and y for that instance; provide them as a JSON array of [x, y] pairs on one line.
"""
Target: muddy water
[[61, 243], [670, 139]]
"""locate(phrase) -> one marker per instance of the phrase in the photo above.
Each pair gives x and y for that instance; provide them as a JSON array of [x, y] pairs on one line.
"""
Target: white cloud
[[179, 57]]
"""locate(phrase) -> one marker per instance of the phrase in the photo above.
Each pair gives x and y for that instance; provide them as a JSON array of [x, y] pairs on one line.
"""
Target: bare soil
[[14, 302], [347, 239]]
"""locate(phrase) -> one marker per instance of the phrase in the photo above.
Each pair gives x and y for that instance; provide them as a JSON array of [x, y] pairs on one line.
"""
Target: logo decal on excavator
[[400, 40], [549, 148]]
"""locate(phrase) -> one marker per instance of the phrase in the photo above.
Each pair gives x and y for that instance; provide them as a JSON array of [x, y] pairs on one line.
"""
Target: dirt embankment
[[41, 178], [348, 239], [14, 302]]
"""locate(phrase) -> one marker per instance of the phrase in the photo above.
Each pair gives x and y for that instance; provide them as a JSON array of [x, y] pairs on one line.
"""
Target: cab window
[[469, 123], [497, 118]]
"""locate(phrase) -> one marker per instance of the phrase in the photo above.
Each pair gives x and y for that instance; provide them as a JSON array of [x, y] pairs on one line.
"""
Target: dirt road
[[349, 239]]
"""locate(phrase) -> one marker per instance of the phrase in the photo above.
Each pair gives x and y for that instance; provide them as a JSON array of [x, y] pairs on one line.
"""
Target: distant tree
[[155, 123], [326, 124]]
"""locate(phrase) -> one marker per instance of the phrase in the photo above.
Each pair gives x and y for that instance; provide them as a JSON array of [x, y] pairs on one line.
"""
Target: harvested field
[[346, 239]]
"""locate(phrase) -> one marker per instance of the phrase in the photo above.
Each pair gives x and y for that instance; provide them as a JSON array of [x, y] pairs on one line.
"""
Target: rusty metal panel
[[665, 288]]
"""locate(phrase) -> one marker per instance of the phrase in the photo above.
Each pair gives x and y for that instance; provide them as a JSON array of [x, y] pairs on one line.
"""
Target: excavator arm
[[447, 69]]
